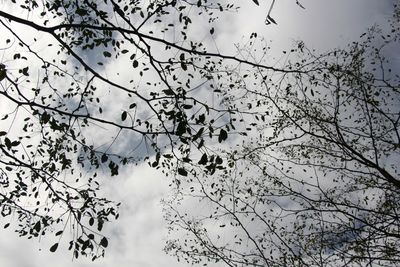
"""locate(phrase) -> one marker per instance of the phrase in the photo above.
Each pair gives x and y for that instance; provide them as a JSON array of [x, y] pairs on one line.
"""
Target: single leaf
[[100, 225], [168, 92], [107, 54], [37, 226], [203, 160], [104, 158], [25, 71], [59, 233], [182, 172], [223, 135], [54, 247], [184, 66], [7, 143], [124, 115], [104, 242], [15, 143], [198, 134]]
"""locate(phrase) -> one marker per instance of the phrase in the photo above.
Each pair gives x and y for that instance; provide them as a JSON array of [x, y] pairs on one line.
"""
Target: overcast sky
[[138, 237]]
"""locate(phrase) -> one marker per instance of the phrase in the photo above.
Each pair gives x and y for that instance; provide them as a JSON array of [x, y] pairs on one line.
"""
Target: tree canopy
[[318, 183], [298, 159], [71, 109]]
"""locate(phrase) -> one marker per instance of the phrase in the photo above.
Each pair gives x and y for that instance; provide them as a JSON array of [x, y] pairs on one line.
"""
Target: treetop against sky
[[253, 133]]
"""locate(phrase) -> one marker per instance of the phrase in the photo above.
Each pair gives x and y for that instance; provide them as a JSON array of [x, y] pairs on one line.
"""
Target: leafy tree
[[316, 182], [89, 86]]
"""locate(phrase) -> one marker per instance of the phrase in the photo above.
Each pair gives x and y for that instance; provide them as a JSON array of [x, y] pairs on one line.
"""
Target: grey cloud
[[137, 238]]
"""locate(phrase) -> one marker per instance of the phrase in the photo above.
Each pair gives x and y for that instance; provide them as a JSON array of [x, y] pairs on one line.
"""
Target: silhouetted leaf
[[168, 92], [124, 115], [37, 226], [7, 142], [54, 247], [184, 66], [104, 242], [182, 172], [100, 225], [104, 158], [58, 233], [203, 160], [223, 135]]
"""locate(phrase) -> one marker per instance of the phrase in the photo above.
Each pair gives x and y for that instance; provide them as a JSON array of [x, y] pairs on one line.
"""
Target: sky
[[137, 238]]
